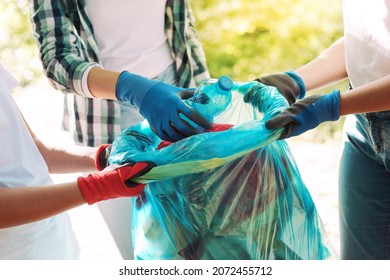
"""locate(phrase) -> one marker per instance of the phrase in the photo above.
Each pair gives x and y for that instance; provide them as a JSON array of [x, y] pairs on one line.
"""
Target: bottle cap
[[225, 83]]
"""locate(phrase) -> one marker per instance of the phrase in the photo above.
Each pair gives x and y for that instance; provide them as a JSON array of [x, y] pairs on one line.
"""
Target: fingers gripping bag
[[233, 192]]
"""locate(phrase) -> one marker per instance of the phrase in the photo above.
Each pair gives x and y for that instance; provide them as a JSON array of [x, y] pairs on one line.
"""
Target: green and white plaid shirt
[[67, 47]]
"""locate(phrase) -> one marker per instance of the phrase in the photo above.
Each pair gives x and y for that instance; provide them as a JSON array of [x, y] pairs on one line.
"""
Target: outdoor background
[[243, 39]]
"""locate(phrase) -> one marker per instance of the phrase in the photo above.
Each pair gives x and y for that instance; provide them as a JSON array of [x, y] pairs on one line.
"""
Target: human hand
[[306, 114], [289, 84], [101, 156], [113, 183], [266, 99], [161, 105]]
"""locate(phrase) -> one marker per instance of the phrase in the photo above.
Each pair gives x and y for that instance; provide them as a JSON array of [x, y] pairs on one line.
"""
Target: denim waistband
[[375, 129]]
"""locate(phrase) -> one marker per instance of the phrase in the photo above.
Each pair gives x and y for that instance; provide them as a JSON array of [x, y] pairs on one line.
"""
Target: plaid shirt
[[67, 47]]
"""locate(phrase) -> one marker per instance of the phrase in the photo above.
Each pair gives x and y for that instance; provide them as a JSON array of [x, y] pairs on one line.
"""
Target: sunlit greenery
[[241, 38], [246, 38]]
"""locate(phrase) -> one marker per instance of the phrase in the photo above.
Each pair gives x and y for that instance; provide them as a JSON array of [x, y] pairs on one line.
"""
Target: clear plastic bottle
[[212, 97]]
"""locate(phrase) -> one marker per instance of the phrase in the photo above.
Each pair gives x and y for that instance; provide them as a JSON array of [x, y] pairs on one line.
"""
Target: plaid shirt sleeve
[[68, 48], [62, 51]]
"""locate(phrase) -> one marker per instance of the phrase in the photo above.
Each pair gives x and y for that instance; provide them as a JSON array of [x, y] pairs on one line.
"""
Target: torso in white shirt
[[367, 40], [130, 35], [21, 165]]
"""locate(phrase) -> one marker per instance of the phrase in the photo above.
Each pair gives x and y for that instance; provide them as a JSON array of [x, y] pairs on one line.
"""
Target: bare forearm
[[327, 68], [372, 97], [102, 83], [68, 159], [21, 205]]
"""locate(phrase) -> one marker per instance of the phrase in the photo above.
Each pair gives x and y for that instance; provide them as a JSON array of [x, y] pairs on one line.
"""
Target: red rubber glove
[[101, 156], [114, 183]]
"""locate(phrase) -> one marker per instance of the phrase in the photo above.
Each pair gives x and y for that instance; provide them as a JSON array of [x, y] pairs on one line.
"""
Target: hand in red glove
[[113, 183], [101, 156]]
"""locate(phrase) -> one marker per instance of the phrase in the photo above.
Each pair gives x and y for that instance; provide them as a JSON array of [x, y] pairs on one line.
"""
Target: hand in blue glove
[[306, 114], [289, 84], [161, 105]]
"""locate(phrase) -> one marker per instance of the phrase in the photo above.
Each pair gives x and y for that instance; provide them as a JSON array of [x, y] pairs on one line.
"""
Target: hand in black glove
[[306, 114], [289, 84]]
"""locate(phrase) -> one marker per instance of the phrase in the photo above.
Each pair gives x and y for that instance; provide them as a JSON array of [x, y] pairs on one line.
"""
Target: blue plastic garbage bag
[[231, 193]]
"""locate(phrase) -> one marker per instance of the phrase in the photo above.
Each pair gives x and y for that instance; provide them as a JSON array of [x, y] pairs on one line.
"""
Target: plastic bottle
[[212, 97]]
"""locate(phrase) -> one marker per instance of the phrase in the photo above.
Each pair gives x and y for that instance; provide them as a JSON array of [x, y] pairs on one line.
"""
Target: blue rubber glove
[[306, 114], [161, 105], [289, 84]]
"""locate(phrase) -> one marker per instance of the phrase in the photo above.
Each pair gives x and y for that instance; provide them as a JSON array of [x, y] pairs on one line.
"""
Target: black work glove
[[289, 84], [307, 114]]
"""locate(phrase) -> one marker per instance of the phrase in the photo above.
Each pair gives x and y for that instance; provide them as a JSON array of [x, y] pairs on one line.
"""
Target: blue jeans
[[364, 187], [129, 114]]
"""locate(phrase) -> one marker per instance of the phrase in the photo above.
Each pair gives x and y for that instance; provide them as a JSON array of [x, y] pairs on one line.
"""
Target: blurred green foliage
[[246, 38], [241, 38]]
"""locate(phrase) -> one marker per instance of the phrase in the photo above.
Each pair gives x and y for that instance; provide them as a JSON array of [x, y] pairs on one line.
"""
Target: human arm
[[68, 159], [65, 159], [327, 68], [311, 111], [158, 102], [368, 98], [64, 53], [20, 205], [69, 54], [371, 97]]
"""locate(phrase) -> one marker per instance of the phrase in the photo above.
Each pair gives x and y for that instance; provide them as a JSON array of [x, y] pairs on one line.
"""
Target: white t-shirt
[[130, 35], [21, 164], [367, 40]]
